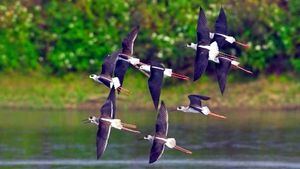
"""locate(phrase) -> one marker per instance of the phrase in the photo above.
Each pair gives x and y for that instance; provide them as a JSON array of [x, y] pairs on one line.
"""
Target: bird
[[196, 106], [105, 122], [159, 140], [107, 71], [155, 82], [125, 57], [205, 49], [222, 69], [220, 35]]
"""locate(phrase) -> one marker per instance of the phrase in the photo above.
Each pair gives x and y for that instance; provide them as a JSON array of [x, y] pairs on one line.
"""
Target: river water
[[59, 139]]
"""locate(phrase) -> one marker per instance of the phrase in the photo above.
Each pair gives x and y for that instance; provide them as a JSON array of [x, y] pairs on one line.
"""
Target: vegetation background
[[48, 47]]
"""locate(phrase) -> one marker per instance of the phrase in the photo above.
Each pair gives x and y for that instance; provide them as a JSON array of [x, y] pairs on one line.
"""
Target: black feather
[[222, 70], [155, 84]]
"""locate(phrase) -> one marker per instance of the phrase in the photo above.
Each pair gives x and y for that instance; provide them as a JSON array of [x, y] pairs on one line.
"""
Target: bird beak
[[86, 121]]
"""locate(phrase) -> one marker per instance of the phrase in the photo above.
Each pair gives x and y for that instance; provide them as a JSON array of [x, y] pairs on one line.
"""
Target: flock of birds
[[115, 66]]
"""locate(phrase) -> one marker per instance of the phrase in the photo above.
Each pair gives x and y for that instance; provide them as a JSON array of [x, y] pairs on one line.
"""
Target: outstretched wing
[[202, 28], [162, 125], [104, 127], [109, 64], [201, 62], [107, 109], [102, 137], [195, 100], [155, 83], [121, 69], [112, 98], [222, 70], [221, 27], [221, 23], [157, 150], [128, 42]]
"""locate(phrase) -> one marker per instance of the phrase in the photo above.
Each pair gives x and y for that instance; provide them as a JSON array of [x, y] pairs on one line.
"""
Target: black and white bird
[[160, 139], [157, 73], [104, 123], [224, 42], [196, 106], [221, 34], [207, 49], [107, 71], [125, 57]]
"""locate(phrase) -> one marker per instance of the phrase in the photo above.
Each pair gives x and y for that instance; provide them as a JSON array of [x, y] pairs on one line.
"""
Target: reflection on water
[[56, 135]]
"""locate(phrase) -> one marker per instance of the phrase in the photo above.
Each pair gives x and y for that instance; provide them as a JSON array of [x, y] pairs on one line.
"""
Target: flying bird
[[125, 57], [205, 50], [107, 71], [104, 123], [196, 106], [160, 139], [221, 33]]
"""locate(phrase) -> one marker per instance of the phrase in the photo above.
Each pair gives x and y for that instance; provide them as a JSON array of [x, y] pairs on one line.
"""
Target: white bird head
[[180, 108], [93, 120], [94, 76], [148, 137]]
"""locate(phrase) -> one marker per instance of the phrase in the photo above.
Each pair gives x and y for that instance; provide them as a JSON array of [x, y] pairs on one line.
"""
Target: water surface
[[58, 139]]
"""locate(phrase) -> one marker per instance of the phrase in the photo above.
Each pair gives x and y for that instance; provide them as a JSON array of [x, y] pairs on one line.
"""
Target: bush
[[75, 35]]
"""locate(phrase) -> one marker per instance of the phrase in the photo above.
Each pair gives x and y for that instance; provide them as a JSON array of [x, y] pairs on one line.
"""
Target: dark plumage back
[[161, 127], [195, 100]]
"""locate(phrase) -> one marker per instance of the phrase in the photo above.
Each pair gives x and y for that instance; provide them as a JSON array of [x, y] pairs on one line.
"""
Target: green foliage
[[75, 35]]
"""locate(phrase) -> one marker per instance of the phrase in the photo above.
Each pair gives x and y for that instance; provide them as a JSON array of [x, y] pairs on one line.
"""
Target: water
[[58, 139]]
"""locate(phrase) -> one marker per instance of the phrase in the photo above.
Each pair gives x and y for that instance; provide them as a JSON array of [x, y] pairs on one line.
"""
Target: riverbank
[[78, 92]]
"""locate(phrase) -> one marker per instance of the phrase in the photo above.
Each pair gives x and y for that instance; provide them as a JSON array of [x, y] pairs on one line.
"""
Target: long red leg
[[179, 76], [242, 44], [228, 55], [217, 115], [129, 125], [183, 150], [245, 70], [130, 130], [123, 90]]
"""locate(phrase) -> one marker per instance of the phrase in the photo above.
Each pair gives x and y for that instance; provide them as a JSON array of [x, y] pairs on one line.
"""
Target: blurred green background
[[59, 36], [48, 48]]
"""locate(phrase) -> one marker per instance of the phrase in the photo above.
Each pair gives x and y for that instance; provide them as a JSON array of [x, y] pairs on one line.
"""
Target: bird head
[[92, 119], [189, 45], [148, 137], [93, 76], [180, 108]]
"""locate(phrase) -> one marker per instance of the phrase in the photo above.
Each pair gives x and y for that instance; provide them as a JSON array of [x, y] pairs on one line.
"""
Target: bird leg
[[130, 130], [145, 73], [123, 90], [228, 55], [243, 69], [129, 125], [242, 44], [179, 76], [183, 149], [217, 115]]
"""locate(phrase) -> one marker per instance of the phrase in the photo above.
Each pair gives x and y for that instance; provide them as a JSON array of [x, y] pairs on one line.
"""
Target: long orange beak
[[217, 115]]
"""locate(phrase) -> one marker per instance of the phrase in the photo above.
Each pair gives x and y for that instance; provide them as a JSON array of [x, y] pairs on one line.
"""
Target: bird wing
[[162, 125], [155, 83], [107, 110], [201, 62], [112, 98], [121, 68], [128, 42], [102, 137], [221, 23], [221, 27], [156, 151], [202, 28], [109, 64], [195, 100], [222, 70], [104, 127]]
